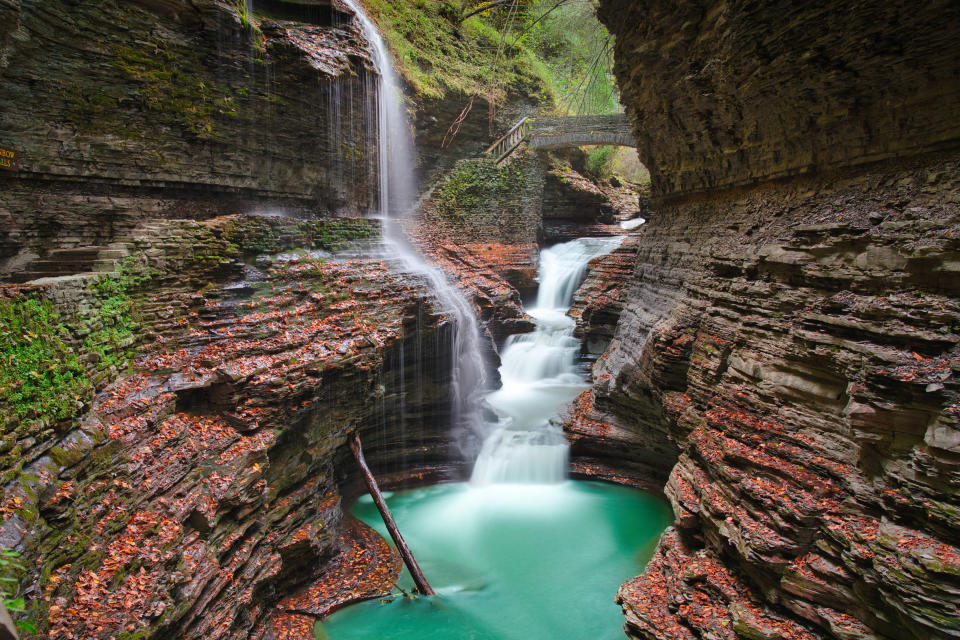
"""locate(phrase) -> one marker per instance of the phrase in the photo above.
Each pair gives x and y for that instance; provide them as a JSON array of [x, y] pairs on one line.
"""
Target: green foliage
[[112, 339], [576, 49], [41, 375], [476, 184], [127, 278], [606, 162], [244, 12], [44, 372], [12, 573], [436, 54], [556, 50], [598, 159]]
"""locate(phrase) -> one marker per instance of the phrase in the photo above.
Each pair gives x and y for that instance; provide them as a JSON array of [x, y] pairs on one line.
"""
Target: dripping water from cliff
[[539, 375], [396, 197]]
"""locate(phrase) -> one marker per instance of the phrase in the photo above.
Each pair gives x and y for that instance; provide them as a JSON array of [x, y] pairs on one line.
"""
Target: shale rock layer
[[205, 482], [123, 111], [806, 368], [805, 365], [790, 333], [734, 92]]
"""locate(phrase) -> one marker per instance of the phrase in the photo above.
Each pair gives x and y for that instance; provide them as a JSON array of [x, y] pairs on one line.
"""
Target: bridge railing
[[509, 141], [581, 130], [564, 131]]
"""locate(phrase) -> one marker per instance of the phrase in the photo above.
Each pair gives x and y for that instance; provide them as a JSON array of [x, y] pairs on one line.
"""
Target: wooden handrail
[[507, 134]]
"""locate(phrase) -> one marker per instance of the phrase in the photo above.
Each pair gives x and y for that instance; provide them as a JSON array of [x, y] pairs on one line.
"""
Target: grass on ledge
[[436, 55]]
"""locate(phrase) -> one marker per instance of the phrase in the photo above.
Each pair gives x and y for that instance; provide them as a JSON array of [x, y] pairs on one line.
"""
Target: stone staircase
[[68, 262]]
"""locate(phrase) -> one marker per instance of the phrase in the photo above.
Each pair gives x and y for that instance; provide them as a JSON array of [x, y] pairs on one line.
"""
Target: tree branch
[[489, 5], [422, 585]]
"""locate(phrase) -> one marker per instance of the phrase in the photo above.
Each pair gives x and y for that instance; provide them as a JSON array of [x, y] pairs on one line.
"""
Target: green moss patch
[[112, 338], [173, 83], [476, 184], [260, 235], [436, 54], [43, 379], [50, 364]]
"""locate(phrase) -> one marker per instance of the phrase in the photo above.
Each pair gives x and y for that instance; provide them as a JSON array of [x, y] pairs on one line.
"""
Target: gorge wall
[[176, 399], [198, 494], [124, 111], [183, 366], [734, 93], [788, 350]]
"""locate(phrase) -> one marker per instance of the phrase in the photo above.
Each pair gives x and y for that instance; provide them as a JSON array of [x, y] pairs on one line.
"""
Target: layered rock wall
[[125, 111], [805, 368], [204, 483], [737, 92], [790, 334]]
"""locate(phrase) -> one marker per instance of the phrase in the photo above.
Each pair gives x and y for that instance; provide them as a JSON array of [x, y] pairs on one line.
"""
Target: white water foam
[[539, 376]]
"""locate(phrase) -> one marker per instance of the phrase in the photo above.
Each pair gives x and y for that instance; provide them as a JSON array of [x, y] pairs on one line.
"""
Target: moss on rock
[[476, 185]]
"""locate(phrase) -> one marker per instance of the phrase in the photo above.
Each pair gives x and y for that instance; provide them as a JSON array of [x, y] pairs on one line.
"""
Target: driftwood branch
[[418, 578]]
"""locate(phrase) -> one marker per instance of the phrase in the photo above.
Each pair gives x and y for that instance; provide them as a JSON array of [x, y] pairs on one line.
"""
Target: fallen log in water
[[422, 585]]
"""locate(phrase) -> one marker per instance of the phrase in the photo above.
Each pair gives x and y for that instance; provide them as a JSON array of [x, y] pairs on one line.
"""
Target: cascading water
[[539, 375], [396, 196], [492, 551], [509, 561]]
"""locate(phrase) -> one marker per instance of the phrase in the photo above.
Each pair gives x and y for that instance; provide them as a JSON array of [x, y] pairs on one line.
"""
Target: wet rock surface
[[798, 346], [794, 339], [122, 112], [489, 248], [486, 222], [783, 363], [728, 92], [599, 300], [366, 567], [485, 273], [205, 482]]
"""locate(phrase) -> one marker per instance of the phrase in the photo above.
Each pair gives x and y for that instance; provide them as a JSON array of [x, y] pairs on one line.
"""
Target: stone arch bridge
[[568, 131]]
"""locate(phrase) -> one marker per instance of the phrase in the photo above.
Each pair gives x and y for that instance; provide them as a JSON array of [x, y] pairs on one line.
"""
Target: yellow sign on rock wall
[[8, 159]]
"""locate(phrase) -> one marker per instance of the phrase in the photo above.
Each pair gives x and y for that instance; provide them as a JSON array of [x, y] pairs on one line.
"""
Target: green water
[[511, 562]]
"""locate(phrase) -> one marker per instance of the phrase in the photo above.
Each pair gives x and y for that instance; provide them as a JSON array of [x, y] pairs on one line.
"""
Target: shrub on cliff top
[[436, 54]]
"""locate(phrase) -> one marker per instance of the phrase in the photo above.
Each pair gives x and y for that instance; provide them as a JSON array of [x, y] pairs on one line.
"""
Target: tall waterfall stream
[[519, 552], [397, 195]]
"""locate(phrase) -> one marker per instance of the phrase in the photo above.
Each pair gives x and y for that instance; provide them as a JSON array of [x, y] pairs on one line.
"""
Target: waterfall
[[539, 376], [397, 190]]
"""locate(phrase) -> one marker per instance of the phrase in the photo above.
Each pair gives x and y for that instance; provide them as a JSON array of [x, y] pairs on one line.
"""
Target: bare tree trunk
[[422, 585]]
